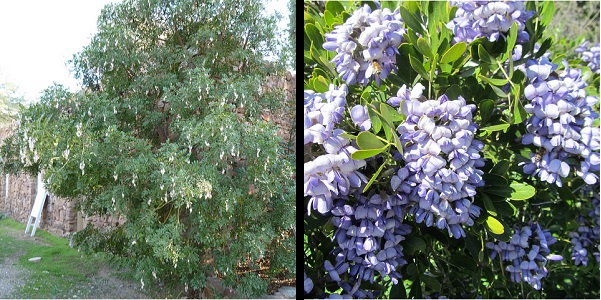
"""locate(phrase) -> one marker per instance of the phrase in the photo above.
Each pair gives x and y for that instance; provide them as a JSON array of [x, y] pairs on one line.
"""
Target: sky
[[37, 38]]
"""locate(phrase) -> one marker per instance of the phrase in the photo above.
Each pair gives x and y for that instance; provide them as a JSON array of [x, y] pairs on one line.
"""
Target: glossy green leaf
[[519, 114], [431, 282], [314, 35], [494, 225], [373, 177], [484, 56], [547, 12], [376, 123], [414, 244], [334, 7], [348, 136], [490, 208], [320, 84], [454, 53], [494, 180], [505, 208], [410, 20], [497, 127], [543, 48], [329, 18], [486, 108], [418, 67], [511, 39], [500, 168], [501, 191], [363, 154], [494, 81], [521, 191], [423, 47], [368, 140]]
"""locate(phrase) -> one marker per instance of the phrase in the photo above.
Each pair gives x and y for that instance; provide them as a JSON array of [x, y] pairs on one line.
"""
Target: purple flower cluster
[[527, 252], [587, 235], [590, 56], [334, 173], [368, 235], [366, 45], [440, 156], [490, 19], [561, 123]]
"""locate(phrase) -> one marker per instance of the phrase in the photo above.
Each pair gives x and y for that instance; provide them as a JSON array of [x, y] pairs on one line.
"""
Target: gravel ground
[[11, 276]]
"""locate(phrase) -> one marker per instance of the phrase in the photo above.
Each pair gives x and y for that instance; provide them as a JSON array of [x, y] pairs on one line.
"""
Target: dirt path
[[11, 276]]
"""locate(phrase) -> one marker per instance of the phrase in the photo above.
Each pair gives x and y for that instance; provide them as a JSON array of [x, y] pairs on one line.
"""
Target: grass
[[62, 272]]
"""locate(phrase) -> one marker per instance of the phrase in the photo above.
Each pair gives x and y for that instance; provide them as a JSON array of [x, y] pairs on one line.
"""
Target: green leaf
[[411, 21], [547, 12], [484, 56], [368, 140], [414, 244], [418, 67], [497, 127], [494, 81], [334, 7], [363, 154], [348, 136], [314, 36], [376, 123], [511, 39], [500, 168], [454, 53], [499, 92], [494, 225], [397, 291], [329, 18], [320, 84], [423, 47], [394, 115], [544, 47], [486, 108], [505, 208], [494, 180], [490, 208], [431, 282], [519, 113], [522, 191], [501, 191], [416, 288], [374, 177]]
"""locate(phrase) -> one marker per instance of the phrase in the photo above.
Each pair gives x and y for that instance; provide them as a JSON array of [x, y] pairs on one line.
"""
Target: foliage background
[[439, 265]]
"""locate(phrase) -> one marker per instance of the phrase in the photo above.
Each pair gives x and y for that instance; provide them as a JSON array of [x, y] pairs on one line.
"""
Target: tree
[[9, 102], [167, 133]]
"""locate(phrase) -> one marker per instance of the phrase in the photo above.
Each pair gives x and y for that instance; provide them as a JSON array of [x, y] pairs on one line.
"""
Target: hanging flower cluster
[[366, 45], [490, 19], [561, 123], [527, 253], [368, 235], [440, 159], [334, 173]]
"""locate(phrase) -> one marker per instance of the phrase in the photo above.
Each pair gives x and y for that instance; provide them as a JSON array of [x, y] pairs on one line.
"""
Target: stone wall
[[59, 216]]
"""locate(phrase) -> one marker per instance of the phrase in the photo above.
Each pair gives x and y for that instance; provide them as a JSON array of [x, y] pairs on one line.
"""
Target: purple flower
[[308, 284], [360, 117], [368, 236], [590, 56], [366, 45], [561, 123], [490, 19], [527, 254], [586, 238], [440, 157], [329, 176]]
